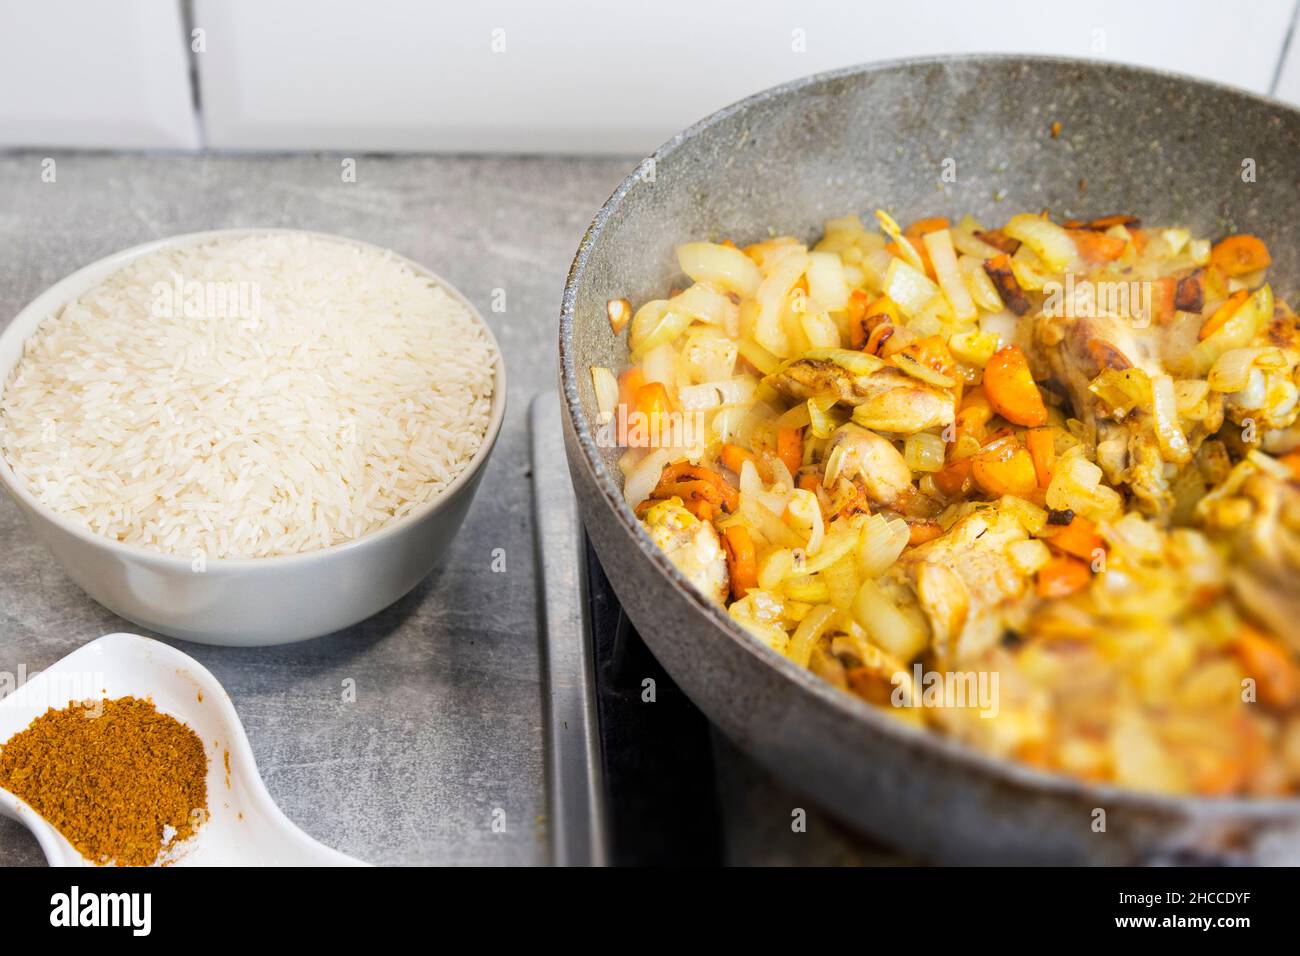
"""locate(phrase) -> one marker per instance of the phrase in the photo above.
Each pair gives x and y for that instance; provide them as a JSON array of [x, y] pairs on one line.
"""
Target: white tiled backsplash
[[512, 75]]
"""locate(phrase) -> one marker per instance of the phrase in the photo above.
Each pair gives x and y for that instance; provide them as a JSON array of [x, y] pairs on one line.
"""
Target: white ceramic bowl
[[244, 826], [246, 601]]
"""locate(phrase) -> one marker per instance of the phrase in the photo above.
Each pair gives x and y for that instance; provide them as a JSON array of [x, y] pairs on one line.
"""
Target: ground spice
[[115, 777]]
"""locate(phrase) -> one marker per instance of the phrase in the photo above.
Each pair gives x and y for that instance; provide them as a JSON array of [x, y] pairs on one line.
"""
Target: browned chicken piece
[[967, 585], [890, 400], [1284, 329], [1270, 400], [1077, 351]]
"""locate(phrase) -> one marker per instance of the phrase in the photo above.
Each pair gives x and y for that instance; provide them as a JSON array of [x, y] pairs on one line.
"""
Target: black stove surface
[[661, 799], [676, 791]]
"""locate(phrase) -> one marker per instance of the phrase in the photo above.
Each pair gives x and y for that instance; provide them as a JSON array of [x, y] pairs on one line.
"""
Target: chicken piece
[[887, 399], [1077, 351], [967, 585], [1284, 328], [691, 544], [879, 467]]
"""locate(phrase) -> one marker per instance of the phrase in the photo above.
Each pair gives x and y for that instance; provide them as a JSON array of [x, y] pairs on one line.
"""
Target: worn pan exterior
[[1168, 148]]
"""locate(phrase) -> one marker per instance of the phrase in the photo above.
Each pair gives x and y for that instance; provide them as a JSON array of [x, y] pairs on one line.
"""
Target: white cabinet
[[95, 74], [582, 76], [566, 76]]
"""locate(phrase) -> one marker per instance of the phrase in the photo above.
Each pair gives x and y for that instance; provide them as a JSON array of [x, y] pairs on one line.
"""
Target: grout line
[[196, 96], [1286, 48]]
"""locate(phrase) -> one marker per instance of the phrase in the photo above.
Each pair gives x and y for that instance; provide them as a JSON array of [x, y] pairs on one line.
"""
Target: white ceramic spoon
[[244, 827]]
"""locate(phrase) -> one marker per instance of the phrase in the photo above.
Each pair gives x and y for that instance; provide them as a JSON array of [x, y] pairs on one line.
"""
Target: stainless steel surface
[[446, 725], [851, 141], [574, 785]]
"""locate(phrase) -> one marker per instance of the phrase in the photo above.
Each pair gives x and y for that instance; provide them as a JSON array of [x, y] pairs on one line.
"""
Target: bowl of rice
[[248, 437]]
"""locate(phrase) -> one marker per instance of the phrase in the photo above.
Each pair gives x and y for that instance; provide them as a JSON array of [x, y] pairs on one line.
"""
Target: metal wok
[[1165, 147]]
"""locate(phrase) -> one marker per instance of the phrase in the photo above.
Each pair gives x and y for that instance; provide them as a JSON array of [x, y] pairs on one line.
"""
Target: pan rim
[[997, 770]]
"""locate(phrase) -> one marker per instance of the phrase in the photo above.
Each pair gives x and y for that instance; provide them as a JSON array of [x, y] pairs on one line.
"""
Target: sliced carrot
[[789, 447], [1139, 238], [1271, 665], [652, 399], [694, 483], [1097, 247], [1223, 313], [695, 493], [1102, 223], [629, 383], [919, 532], [1240, 255], [932, 351], [951, 478], [1079, 538], [684, 470], [809, 481], [1008, 470], [1042, 449], [1062, 576], [1217, 774], [742, 563], [734, 457], [926, 225], [1010, 388]]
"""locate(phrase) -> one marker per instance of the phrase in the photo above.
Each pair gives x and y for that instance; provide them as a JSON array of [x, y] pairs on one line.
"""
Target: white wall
[[574, 77]]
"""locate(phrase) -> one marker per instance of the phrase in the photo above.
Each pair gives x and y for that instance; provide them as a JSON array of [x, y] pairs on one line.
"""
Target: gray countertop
[[447, 723]]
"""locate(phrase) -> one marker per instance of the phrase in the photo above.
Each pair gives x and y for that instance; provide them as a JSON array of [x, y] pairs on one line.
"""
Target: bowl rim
[[995, 769], [86, 277]]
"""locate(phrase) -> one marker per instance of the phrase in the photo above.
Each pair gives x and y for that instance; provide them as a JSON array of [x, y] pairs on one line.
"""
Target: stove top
[[676, 791]]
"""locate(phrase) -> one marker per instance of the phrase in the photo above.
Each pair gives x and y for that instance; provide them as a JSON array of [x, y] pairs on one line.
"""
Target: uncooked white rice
[[333, 390]]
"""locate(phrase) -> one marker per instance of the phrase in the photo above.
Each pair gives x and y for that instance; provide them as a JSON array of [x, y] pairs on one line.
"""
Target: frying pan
[[921, 137]]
